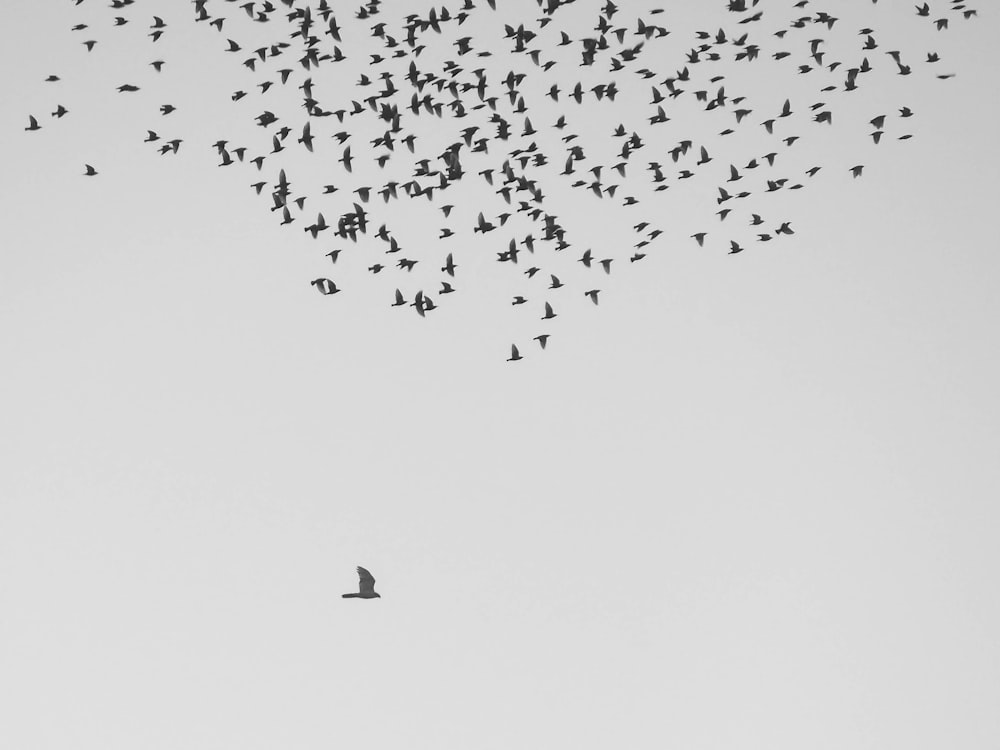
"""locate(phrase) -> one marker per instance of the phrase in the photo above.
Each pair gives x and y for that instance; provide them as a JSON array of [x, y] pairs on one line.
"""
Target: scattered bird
[[325, 286]]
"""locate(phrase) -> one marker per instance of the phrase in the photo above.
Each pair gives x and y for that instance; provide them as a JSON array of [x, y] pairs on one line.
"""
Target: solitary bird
[[366, 586]]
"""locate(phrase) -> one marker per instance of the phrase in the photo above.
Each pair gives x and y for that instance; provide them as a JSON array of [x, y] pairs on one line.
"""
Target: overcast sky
[[747, 501]]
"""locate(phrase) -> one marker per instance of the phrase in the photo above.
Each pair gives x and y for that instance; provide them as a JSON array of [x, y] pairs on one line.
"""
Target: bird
[[515, 355], [325, 286], [90, 171], [366, 586]]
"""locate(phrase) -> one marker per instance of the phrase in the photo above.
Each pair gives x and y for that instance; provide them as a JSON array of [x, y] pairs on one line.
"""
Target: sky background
[[748, 501]]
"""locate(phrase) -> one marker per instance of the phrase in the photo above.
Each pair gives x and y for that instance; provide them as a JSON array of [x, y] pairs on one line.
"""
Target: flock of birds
[[455, 97]]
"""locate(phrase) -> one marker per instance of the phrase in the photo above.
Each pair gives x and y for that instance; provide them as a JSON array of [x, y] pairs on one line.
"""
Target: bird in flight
[[366, 586]]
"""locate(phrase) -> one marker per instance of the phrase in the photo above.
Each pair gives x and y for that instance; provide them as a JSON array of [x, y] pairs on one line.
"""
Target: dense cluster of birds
[[457, 96]]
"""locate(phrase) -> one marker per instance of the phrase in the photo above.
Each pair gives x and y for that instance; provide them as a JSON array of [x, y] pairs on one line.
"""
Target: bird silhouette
[[366, 586]]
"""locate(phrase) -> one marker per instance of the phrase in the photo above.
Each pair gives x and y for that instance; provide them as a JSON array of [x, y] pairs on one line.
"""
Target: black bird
[[366, 586], [449, 266], [325, 286]]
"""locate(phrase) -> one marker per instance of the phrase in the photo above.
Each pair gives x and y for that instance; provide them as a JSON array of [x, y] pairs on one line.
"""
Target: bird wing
[[367, 581]]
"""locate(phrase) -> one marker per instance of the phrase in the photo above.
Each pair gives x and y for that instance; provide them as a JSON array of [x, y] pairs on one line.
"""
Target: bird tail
[[351, 596]]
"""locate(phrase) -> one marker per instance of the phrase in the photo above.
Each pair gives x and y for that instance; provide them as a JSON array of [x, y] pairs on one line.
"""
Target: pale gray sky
[[748, 501]]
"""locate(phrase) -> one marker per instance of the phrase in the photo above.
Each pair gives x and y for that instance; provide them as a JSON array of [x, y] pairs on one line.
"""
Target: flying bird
[[366, 586]]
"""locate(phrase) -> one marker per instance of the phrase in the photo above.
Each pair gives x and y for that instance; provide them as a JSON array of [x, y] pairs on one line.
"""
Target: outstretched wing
[[367, 582]]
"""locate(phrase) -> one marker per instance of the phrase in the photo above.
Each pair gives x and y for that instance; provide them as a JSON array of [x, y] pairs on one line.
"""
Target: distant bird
[[33, 123], [515, 355], [90, 171], [366, 586], [325, 286], [449, 266]]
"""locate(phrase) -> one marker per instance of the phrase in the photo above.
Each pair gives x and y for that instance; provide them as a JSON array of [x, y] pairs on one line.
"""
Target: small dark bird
[[33, 123], [449, 266], [90, 170], [366, 586], [325, 286], [515, 355]]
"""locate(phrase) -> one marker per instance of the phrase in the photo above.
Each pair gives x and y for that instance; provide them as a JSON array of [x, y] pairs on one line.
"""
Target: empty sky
[[747, 501]]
